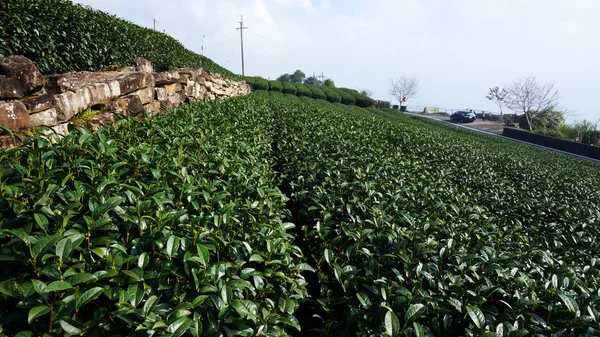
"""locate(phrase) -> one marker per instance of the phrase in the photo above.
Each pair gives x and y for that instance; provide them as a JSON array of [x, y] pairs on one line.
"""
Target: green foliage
[[303, 90], [361, 99], [332, 94], [275, 86], [168, 226], [257, 83], [346, 97], [312, 81], [317, 92], [408, 240], [284, 78], [329, 83], [289, 88], [297, 77], [59, 36], [195, 223]]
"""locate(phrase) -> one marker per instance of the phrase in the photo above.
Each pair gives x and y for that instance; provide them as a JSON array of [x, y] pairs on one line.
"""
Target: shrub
[[361, 100], [59, 36], [257, 83], [332, 95], [317, 92], [347, 98], [275, 94], [302, 90], [170, 225], [289, 88], [275, 86]]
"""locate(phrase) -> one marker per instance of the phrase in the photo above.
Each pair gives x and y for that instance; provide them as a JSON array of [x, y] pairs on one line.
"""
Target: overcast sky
[[458, 49]]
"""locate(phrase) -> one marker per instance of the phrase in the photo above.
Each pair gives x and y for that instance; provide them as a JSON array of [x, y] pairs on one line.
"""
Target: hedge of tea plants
[[168, 226], [60, 36], [418, 229], [278, 215]]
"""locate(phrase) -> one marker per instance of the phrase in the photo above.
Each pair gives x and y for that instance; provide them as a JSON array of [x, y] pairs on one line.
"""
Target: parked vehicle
[[463, 116]]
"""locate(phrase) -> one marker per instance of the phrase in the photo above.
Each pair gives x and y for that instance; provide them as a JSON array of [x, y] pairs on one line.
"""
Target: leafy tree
[[298, 76], [312, 81], [284, 78], [329, 83], [498, 96]]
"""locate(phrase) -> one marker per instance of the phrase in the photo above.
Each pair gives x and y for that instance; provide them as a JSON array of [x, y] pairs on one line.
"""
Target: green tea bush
[[257, 83], [275, 86], [275, 94], [332, 94], [302, 90], [289, 88], [317, 92], [407, 241], [168, 226], [360, 99], [346, 98], [59, 36]]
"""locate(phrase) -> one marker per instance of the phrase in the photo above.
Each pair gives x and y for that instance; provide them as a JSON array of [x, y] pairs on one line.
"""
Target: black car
[[463, 116]]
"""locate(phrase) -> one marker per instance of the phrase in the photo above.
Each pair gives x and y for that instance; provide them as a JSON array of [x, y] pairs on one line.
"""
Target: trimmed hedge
[[332, 94], [289, 88], [257, 83], [275, 86], [317, 92], [347, 98], [276, 94], [303, 90], [361, 100], [59, 36]]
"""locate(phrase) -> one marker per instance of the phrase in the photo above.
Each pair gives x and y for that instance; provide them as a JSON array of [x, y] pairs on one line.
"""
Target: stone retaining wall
[[29, 100]]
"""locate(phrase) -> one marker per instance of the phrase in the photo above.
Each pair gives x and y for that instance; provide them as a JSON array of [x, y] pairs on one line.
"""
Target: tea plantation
[[273, 215]]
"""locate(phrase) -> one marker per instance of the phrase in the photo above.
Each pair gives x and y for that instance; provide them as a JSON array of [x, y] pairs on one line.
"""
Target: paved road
[[496, 133]]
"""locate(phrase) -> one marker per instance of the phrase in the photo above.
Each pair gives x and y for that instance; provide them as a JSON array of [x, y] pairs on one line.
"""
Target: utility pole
[[154, 20], [322, 78], [241, 29], [202, 48]]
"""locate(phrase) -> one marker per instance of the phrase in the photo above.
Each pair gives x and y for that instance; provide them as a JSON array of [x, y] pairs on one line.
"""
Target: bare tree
[[404, 86], [530, 97], [498, 96]]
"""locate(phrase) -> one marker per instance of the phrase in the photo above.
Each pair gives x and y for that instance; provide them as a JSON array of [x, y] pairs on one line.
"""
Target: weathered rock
[[191, 73], [47, 117], [100, 120], [200, 92], [14, 116], [166, 77], [173, 87], [39, 103], [189, 100], [143, 65], [128, 69], [184, 77], [130, 105], [189, 90], [176, 98], [153, 107], [10, 88], [58, 130], [131, 82], [24, 71], [201, 80], [166, 105], [161, 94], [146, 95], [70, 103], [8, 141]]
